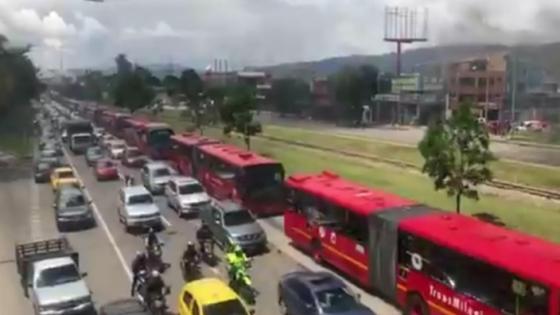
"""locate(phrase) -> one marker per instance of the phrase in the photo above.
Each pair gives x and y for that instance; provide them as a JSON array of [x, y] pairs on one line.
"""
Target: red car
[[106, 169]]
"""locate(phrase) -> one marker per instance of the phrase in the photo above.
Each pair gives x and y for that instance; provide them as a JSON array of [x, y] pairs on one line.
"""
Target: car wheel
[[282, 306]]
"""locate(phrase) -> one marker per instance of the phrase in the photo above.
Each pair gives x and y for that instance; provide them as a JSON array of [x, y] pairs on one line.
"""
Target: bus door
[[220, 181], [298, 219]]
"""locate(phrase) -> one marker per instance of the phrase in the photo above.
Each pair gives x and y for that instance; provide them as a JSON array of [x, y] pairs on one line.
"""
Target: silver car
[[137, 208], [155, 175], [185, 195], [229, 222]]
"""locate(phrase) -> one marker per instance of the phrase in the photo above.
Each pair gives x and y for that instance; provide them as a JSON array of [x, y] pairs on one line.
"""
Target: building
[[481, 81], [260, 81], [415, 98]]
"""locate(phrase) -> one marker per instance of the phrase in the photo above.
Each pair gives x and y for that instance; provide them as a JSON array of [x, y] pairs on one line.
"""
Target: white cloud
[[53, 43]]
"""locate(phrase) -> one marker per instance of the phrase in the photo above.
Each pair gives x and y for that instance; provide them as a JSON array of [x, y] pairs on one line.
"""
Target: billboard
[[409, 82]]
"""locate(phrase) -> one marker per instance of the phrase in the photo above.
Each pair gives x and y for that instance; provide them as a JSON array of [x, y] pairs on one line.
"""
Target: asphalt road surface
[[106, 250], [412, 135]]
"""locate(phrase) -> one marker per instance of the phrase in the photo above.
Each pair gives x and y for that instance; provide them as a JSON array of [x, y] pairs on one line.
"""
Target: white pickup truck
[[51, 279]]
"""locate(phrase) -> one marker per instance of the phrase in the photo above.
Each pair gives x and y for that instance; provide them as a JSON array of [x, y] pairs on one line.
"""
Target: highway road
[[106, 250]]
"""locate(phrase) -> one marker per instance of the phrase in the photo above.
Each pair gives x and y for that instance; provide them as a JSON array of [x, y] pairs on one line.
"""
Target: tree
[[456, 155], [191, 86], [18, 76], [236, 112], [131, 89], [289, 95], [171, 85], [354, 87]]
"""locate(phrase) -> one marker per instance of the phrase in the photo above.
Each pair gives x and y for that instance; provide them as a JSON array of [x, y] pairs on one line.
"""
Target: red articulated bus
[[182, 151], [252, 180], [425, 260]]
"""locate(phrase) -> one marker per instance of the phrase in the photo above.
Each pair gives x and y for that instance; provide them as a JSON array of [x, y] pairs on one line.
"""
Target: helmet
[[237, 249], [190, 244], [155, 273], [151, 230], [139, 253]]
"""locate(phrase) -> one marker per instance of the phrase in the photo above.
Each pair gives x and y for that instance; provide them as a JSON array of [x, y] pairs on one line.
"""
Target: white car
[[137, 208], [155, 175], [116, 149], [105, 140], [186, 195]]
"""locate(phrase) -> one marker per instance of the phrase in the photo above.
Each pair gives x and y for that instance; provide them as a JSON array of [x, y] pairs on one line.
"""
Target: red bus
[[153, 139], [182, 151], [425, 260], [252, 180]]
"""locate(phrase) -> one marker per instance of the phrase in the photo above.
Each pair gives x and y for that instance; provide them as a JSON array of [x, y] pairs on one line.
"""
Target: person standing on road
[[204, 234]]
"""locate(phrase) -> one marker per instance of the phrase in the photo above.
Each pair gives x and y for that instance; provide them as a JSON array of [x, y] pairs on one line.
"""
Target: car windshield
[[82, 139], [58, 275], [238, 218], [231, 307], [337, 300], [43, 166], [73, 200], [190, 189], [95, 152], [162, 172], [65, 174], [133, 152], [105, 164], [140, 199], [48, 153]]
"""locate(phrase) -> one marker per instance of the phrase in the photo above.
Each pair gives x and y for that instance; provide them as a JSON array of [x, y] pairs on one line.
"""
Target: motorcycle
[[190, 269], [156, 304], [240, 282], [207, 252]]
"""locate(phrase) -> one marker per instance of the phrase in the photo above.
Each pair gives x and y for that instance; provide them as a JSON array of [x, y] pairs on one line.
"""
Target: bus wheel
[[316, 251], [415, 305]]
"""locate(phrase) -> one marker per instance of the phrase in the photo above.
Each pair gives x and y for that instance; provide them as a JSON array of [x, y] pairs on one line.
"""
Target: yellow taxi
[[63, 175], [210, 296]]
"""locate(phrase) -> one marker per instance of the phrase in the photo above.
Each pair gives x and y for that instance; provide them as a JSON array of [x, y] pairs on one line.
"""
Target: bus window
[[222, 170], [356, 227], [479, 280]]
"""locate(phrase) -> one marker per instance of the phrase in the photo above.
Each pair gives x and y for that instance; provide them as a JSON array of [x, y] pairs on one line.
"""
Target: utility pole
[[514, 91]]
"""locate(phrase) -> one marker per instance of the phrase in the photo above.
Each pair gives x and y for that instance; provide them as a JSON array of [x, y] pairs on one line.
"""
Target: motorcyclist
[[138, 265], [204, 234], [154, 286], [237, 260], [128, 180], [152, 239], [190, 255]]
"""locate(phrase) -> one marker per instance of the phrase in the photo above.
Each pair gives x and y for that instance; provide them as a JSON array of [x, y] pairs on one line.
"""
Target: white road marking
[[35, 215], [101, 220], [165, 221]]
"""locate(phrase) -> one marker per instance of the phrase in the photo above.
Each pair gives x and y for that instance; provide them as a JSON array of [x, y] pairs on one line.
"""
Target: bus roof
[[526, 256], [191, 139], [234, 155], [137, 122], [157, 125], [354, 197]]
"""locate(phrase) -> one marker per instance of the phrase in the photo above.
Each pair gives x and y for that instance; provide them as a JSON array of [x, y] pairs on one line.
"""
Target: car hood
[[142, 209], [115, 150], [73, 211], [244, 229], [107, 169], [62, 293], [194, 198], [162, 179]]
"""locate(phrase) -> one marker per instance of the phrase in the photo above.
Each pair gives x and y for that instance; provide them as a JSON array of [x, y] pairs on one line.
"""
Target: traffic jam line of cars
[[137, 208], [419, 258]]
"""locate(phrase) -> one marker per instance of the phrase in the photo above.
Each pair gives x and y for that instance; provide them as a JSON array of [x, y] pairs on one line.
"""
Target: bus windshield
[[160, 136], [259, 179]]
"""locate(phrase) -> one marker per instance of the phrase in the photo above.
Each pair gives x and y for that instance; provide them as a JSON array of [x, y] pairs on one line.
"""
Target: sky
[[253, 32]]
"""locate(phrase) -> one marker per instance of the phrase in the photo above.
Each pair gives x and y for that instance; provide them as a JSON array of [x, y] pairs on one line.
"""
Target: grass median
[[523, 173], [531, 216]]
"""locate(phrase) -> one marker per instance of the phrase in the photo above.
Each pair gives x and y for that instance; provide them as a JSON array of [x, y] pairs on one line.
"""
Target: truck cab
[[50, 277]]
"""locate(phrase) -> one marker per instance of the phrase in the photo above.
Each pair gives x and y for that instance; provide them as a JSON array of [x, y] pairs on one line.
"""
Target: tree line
[[18, 76]]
